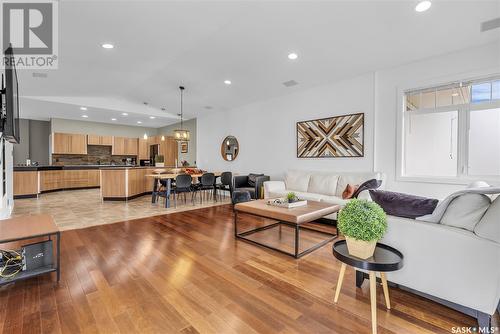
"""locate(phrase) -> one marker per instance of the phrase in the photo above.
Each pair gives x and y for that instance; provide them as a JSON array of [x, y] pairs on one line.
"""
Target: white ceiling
[[161, 44]]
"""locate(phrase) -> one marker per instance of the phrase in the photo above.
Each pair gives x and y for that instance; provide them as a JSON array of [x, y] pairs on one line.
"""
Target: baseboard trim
[[125, 198], [65, 189], [25, 196]]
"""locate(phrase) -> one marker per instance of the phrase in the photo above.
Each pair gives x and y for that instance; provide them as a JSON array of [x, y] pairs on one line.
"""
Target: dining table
[[157, 177]]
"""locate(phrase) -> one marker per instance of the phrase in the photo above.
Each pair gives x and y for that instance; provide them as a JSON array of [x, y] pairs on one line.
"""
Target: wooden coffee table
[[294, 218]]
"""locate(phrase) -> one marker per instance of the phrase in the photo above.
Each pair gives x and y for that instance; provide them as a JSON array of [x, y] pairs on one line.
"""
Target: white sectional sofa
[[319, 186]]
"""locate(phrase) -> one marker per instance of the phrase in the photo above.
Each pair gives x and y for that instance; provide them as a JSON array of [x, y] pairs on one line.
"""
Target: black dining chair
[[183, 185], [207, 182], [226, 184]]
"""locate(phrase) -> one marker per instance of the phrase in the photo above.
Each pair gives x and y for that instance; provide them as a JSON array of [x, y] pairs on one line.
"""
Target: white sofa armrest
[[273, 186]]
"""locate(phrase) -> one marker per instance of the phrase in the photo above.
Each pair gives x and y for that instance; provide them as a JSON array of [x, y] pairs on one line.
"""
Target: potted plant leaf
[[291, 197], [363, 223], [159, 161]]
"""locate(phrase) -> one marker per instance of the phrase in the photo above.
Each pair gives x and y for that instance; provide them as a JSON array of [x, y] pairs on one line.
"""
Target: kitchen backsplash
[[95, 155]]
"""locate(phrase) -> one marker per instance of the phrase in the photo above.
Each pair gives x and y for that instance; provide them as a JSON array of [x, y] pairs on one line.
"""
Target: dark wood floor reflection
[[185, 273]]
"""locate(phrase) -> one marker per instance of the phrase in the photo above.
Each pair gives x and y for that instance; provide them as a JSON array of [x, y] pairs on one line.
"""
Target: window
[[452, 131]]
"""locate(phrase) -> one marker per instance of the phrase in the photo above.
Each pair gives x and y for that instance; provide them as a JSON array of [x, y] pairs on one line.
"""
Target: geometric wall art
[[333, 137]]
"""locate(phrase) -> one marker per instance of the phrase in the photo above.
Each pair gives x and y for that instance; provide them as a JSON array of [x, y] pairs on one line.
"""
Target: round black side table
[[384, 259]]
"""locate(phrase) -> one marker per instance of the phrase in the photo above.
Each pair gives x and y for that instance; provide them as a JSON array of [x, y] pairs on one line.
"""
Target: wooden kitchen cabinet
[[118, 146], [169, 149], [143, 149], [68, 143], [25, 183], [94, 178], [51, 180], [100, 140], [131, 146], [125, 146]]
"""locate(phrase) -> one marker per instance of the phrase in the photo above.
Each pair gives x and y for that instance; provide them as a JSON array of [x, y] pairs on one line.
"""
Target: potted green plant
[[363, 223], [159, 161], [291, 197]]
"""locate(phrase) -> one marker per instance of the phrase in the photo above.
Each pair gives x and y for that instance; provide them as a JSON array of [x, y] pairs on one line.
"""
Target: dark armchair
[[252, 183]]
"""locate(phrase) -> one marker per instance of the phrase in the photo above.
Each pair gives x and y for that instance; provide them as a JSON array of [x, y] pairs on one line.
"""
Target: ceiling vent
[[490, 25], [290, 83], [39, 75]]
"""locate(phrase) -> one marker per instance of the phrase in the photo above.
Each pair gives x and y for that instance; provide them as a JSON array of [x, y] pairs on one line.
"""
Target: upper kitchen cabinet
[[125, 146], [131, 146], [100, 140], [143, 149], [68, 143]]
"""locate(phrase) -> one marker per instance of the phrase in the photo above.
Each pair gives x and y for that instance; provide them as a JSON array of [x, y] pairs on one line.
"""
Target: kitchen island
[[117, 182], [124, 183]]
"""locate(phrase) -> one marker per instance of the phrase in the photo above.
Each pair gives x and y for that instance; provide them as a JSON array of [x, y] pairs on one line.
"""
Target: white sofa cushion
[[354, 179], [334, 200], [466, 211], [297, 180], [325, 184], [489, 226]]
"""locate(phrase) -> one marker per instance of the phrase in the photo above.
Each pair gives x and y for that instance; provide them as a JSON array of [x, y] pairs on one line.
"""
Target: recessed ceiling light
[[227, 82], [152, 117], [107, 45], [293, 56], [85, 116], [422, 6], [124, 114], [454, 94], [113, 119], [83, 108], [139, 122]]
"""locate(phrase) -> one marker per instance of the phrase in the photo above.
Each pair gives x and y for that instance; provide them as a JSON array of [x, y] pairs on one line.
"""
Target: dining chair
[[183, 185], [226, 184], [207, 182]]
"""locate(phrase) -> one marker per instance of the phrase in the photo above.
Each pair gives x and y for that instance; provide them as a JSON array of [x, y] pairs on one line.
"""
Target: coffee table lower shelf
[[297, 227]]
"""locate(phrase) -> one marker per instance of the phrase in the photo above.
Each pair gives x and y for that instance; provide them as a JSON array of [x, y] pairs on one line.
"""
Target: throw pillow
[[367, 185], [489, 226], [403, 205], [252, 178], [465, 211], [349, 191]]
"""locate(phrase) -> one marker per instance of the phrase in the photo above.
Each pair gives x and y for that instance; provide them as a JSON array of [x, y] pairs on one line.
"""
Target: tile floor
[[74, 209]]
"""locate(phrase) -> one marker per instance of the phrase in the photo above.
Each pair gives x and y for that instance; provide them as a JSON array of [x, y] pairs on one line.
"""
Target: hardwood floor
[[185, 273]]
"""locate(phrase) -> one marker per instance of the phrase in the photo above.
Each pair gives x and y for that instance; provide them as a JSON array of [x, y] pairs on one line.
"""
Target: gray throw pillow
[[403, 205], [489, 226], [466, 211]]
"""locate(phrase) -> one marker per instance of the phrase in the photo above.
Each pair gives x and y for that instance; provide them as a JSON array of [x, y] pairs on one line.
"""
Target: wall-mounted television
[[10, 110]]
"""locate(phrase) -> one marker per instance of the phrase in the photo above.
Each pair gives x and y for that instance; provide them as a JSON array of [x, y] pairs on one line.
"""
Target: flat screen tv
[[11, 116]]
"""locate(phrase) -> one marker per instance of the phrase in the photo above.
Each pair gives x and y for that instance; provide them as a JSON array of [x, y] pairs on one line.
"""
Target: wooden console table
[[31, 227]]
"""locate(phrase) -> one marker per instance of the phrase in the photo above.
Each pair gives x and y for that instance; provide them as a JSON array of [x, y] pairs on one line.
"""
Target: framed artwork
[[332, 137], [184, 147]]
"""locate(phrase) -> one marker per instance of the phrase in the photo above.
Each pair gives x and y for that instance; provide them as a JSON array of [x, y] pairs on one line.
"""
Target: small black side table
[[383, 260]]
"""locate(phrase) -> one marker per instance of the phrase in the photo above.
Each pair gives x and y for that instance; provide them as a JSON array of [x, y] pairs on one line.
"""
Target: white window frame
[[462, 177]]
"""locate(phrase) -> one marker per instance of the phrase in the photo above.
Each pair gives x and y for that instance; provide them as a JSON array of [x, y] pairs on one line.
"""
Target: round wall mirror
[[229, 148]]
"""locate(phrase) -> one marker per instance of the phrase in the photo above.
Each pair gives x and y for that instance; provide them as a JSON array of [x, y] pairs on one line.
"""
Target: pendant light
[[181, 134]]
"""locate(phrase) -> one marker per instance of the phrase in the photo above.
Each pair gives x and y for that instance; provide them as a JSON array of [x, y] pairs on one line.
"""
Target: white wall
[[101, 129], [476, 62], [190, 125], [266, 131], [7, 200]]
